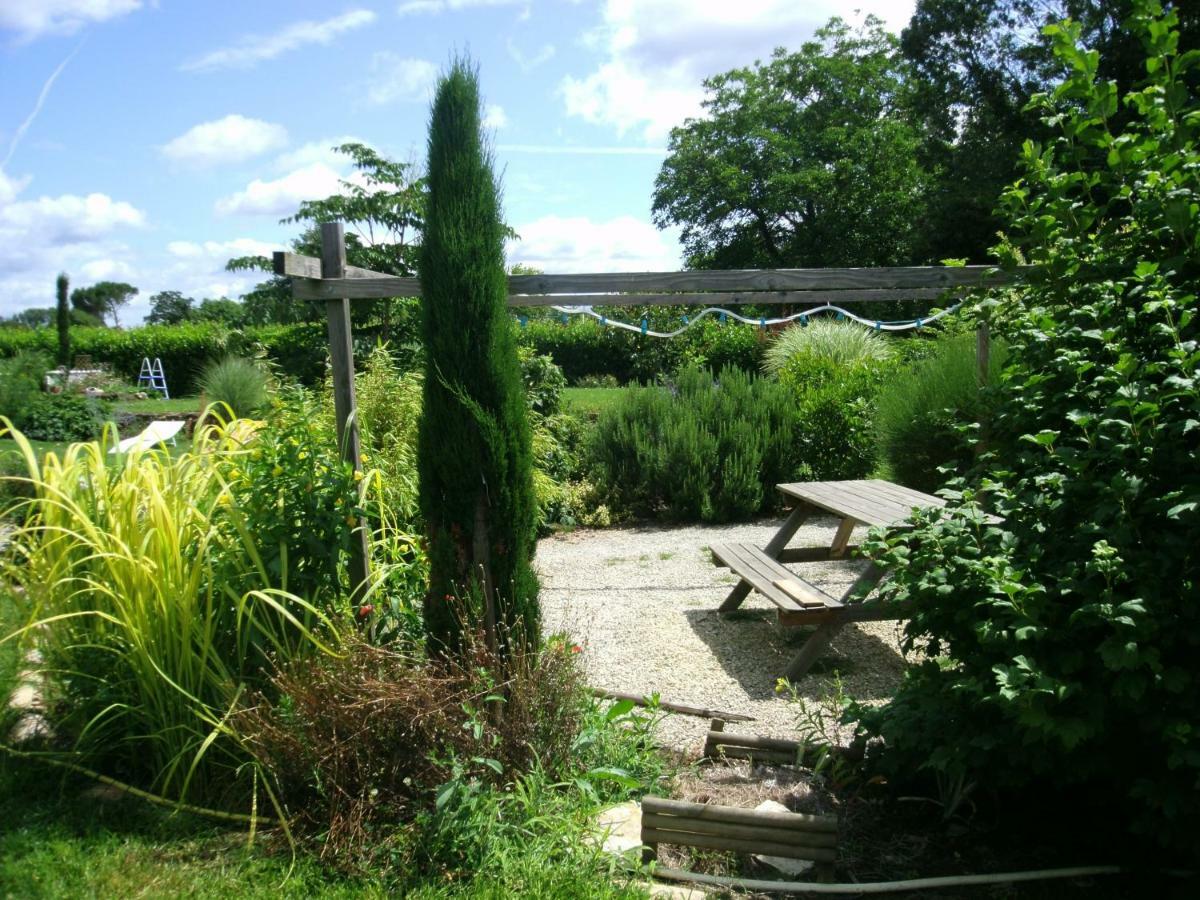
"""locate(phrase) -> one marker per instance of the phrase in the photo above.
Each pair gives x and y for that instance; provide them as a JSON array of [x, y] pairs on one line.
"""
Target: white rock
[[620, 828], [781, 863], [31, 728], [26, 698]]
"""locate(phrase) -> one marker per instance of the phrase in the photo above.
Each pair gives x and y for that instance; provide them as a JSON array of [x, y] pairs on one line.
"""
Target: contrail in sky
[[37, 107]]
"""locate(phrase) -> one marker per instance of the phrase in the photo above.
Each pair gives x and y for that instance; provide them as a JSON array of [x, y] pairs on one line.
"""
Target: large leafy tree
[[1061, 644], [977, 63], [474, 445], [170, 308], [805, 160], [102, 299]]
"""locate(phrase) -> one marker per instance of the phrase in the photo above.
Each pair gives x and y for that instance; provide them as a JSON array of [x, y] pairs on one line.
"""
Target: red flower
[[575, 648], [365, 610]]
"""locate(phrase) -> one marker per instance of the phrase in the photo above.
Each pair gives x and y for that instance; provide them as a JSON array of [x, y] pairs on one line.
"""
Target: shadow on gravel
[[752, 649]]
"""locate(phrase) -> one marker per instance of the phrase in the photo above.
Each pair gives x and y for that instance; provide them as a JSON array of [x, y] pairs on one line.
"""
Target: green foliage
[[153, 610], [62, 319], [844, 343], [976, 65], [474, 446], [926, 412], [103, 298], [698, 449], [300, 350], [239, 387], [170, 308], [585, 349], [389, 410], [21, 384], [544, 381], [833, 406], [1061, 645], [806, 160], [64, 417]]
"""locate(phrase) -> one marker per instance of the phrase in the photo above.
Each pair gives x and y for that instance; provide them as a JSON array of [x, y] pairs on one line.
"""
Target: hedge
[[583, 347], [184, 349]]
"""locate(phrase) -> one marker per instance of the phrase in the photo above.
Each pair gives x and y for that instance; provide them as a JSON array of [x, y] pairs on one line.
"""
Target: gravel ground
[[642, 602]]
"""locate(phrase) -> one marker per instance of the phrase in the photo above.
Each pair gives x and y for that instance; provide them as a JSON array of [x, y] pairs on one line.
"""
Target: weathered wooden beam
[[294, 265], [702, 712], [730, 298], [341, 357], [668, 288]]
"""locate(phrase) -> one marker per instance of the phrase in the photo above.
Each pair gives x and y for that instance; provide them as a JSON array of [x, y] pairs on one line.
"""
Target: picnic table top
[[870, 501]]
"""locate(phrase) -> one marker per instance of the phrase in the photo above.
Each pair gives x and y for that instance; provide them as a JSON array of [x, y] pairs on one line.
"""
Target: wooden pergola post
[[341, 358]]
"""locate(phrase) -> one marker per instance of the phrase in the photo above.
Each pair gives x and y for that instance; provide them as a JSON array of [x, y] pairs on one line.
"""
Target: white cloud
[[494, 116], [107, 270], [253, 49], [656, 53], [38, 104], [577, 244], [232, 139], [281, 196], [430, 7], [34, 18], [529, 63], [222, 251], [316, 152], [395, 78], [581, 150], [42, 236]]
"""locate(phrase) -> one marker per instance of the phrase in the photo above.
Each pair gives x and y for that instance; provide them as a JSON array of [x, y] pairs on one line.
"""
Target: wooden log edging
[[712, 827]]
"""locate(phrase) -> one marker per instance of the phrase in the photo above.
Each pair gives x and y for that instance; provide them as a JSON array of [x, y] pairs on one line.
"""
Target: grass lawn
[[41, 448], [157, 406], [589, 402]]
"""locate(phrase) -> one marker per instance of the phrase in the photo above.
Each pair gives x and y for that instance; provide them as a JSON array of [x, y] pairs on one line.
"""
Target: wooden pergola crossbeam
[[731, 287]]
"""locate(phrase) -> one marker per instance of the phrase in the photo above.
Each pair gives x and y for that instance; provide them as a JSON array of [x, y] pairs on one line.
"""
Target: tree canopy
[[806, 160], [170, 308], [103, 298]]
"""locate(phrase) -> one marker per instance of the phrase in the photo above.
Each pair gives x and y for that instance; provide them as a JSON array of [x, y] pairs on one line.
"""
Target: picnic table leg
[[816, 644], [788, 530], [842, 538]]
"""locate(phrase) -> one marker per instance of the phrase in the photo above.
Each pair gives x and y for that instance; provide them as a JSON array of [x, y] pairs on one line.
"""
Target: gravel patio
[[642, 604]]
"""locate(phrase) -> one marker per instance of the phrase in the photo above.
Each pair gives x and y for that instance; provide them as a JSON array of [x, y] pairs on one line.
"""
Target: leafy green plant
[[544, 381], [844, 343], [924, 413], [699, 449], [239, 387], [833, 406], [1060, 644], [21, 384], [64, 417]]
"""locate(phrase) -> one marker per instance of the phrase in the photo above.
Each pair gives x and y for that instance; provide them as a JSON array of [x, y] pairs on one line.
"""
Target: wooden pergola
[[331, 280]]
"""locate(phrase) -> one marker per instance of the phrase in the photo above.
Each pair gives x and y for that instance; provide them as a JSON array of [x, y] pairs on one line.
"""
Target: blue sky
[[148, 141]]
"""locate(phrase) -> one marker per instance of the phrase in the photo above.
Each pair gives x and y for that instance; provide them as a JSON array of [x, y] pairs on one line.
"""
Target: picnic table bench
[[853, 503]]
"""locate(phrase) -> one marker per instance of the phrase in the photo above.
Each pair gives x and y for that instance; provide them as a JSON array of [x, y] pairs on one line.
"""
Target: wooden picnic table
[[853, 503]]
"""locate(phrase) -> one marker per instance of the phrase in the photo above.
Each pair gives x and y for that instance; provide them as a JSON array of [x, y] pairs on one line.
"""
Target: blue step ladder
[[152, 376]]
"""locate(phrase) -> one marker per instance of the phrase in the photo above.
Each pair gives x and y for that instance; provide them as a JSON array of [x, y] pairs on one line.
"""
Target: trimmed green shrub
[[834, 410], [62, 319], [21, 385], [699, 449], [842, 342], [237, 383], [65, 417], [475, 458], [587, 350], [924, 411], [1059, 647]]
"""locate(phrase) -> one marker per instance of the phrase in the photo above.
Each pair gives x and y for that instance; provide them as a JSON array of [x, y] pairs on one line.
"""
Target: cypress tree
[[475, 459], [63, 321]]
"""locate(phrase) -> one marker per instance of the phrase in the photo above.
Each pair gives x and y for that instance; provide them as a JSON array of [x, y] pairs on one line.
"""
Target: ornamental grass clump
[[842, 343], [154, 610], [474, 453]]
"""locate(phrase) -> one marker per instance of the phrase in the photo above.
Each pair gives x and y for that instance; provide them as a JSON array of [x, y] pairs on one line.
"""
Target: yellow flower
[[277, 471], [224, 500], [357, 475]]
